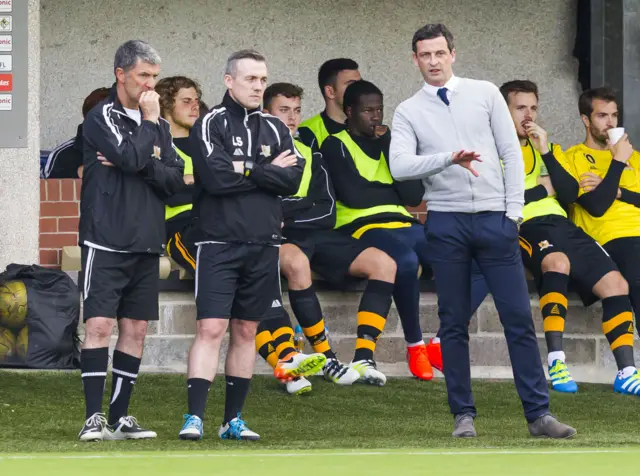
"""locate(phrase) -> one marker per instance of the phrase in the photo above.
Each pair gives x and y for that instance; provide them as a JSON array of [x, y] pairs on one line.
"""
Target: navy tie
[[442, 94]]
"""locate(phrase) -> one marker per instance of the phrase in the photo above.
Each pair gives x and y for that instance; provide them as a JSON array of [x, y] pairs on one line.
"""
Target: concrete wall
[[19, 184], [496, 40]]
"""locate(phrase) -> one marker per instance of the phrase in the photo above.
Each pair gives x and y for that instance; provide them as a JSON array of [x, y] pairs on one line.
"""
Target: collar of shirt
[[333, 127], [450, 85]]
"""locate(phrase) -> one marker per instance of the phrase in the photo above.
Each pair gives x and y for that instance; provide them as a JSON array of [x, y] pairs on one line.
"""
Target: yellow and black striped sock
[[274, 340], [372, 316], [266, 347], [283, 340], [317, 336], [553, 304], [306, 307], [617, 325]]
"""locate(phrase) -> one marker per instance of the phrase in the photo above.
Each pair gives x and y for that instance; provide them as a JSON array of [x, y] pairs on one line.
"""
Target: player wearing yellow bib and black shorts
[[311, 243], [554, 250]]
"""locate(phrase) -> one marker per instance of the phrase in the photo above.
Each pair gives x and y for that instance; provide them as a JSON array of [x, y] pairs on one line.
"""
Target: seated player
[[608, 208], [180, 100], [554, 250], [311, 243], [65, 161], [371, 207], [334, 76]]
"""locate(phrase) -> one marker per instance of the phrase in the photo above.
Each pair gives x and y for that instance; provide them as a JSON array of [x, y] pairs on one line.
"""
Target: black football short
[[180, 246], [329, 252], [589, 262], [237, 281], [118, 285], [626, 254]]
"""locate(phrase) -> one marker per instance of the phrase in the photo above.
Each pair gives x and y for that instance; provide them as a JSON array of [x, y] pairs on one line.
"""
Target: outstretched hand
[[465, 158]]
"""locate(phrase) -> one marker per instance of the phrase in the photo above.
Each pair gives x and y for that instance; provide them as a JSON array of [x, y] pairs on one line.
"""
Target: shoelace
[[192, 420], [130, 421], [559, 369], [97, 419], [336, 369], [422, 353], [237, 426]]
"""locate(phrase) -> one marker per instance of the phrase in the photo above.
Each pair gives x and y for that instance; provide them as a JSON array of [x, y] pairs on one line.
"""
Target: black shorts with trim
[[589, 262], [625, 252], [180, 245], [118, 285], [237, 281], [330, 252]]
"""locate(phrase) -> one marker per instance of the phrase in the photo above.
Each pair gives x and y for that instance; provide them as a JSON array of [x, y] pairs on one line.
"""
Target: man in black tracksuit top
[[130, 167], [243, 161]]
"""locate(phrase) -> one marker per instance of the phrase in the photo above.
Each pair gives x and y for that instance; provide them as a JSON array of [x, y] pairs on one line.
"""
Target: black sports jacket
[[241, 206], [122, 207]]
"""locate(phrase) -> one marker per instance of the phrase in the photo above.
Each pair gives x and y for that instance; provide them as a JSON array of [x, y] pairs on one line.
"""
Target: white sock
[[415, 344], [627, 372], [435, 340], [557, 355]]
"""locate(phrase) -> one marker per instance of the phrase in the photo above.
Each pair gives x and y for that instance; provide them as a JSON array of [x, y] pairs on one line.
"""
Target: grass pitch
[[403, 427]]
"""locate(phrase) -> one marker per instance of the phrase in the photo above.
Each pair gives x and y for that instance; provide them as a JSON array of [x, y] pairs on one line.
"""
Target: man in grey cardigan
[[457, 135]]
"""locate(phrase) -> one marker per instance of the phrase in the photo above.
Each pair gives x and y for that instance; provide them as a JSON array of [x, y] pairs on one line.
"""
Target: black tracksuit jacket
[[122, 207], [232, 207]]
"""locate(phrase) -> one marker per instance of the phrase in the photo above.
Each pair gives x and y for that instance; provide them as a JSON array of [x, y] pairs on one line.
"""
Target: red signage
[[6, 82]]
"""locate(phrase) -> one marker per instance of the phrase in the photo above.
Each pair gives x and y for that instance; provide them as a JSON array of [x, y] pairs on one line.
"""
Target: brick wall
[[59, 216], [420, 212]]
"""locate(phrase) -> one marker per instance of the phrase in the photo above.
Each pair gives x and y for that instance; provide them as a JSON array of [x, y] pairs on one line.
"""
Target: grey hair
[[232, 61], [130, 52]]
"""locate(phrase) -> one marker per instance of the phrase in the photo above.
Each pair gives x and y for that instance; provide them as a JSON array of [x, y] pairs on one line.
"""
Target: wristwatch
[[248, 167]]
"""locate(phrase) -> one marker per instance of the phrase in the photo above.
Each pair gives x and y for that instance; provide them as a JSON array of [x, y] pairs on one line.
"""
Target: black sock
[[307, 310], [553, 305], [406, 295], [236, 393], [197, 393], [634, 295], [372, 316], [124, 373], [93, 365], [617, 325]]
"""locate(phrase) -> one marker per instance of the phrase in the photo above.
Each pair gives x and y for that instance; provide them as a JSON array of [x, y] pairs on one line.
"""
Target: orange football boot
[[419, 364], [435, 355]]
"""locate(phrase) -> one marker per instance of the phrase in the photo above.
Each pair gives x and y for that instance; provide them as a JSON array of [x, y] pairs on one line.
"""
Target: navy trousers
[[408, 247], [490, 239]]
